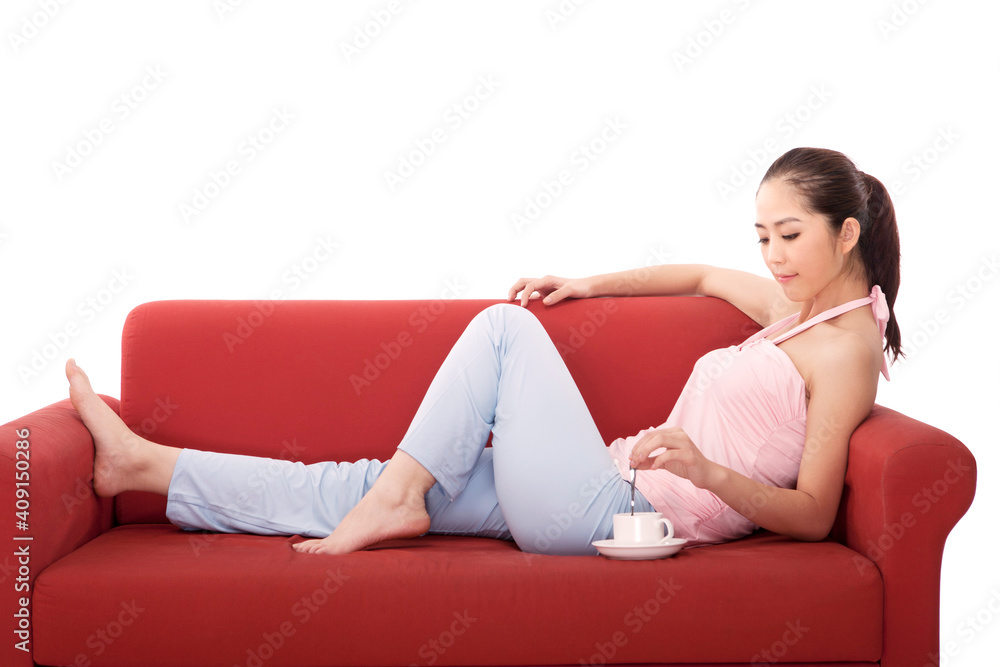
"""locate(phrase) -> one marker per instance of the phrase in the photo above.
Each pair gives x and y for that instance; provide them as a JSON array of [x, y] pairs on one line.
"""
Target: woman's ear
[[850, 232]]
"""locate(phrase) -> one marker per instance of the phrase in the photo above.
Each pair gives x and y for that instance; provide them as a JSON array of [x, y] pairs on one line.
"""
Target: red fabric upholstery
[[907, 485], [62, 512], [339, 380], [453, 601], [306, 382]]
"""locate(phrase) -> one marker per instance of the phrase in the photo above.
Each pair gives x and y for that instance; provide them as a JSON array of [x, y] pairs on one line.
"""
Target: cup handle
[[669, 527]]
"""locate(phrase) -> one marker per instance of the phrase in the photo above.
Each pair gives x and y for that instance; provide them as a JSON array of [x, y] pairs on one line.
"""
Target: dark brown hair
[[831, 185]]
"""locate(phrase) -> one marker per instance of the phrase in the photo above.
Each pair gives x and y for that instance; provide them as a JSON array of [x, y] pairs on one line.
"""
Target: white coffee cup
[[645, 528]]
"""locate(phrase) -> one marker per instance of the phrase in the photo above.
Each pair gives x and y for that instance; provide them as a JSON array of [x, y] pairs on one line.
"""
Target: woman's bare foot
[[393, 508], [123, 461]]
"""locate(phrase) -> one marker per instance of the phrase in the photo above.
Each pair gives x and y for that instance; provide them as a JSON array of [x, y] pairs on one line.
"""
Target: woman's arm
[[840, 399], [761, 299]]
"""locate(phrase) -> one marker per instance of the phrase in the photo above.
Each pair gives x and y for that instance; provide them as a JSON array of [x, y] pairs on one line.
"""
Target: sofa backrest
[[340, 380]]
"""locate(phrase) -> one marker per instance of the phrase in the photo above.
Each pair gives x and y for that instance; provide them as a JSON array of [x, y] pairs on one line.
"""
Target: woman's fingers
[[650, 446], [528, 286], [517, 287], [661, 447], [672, 450]]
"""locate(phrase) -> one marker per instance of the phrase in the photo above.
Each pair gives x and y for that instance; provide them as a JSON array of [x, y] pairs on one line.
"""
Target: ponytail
[[879, 246], [832, 186]]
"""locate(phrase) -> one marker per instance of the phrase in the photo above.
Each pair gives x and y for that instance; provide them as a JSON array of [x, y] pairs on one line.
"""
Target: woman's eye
[[789, 237], [762, 241]]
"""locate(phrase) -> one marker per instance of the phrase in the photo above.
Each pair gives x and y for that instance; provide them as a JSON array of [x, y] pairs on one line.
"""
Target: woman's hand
[[552, 288], [675, 452]]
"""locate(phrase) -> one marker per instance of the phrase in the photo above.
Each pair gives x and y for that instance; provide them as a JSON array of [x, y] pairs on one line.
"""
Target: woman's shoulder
[[843, 355]]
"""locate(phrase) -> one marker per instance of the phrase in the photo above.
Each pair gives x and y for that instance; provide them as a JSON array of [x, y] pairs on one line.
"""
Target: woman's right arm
[[761, 299]]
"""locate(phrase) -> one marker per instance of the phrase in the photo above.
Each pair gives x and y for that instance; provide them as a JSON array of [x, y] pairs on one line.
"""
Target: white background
[[906, 89]]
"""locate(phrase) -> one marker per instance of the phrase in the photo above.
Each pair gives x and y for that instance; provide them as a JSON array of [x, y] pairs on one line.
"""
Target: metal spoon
[[631, 475]]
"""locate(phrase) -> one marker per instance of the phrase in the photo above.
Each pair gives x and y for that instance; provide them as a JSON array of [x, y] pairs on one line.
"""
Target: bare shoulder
[[846, 362], [761, 299]]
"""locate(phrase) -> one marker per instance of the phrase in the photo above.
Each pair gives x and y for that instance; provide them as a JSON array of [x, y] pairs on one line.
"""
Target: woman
[[758, 437]]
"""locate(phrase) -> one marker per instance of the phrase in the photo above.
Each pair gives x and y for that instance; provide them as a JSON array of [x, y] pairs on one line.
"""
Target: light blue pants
[[548, 481]]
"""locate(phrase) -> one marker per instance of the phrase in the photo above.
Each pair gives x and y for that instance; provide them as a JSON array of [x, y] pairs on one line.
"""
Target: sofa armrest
[[907, 486], [56, 502]]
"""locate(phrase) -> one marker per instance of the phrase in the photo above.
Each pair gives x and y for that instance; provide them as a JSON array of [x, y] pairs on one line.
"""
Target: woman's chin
[[792, 292]]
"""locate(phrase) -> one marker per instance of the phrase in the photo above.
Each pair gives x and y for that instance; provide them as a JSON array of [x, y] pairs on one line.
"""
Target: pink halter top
[[744, 406]]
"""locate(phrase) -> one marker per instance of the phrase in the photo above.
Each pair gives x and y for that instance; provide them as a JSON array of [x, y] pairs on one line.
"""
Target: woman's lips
[[785, 279]]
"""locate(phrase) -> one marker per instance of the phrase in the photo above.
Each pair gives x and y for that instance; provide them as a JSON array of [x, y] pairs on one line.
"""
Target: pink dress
[[744, 406]]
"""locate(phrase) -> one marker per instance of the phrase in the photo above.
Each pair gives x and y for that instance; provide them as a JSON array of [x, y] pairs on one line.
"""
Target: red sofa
[[110, 582]]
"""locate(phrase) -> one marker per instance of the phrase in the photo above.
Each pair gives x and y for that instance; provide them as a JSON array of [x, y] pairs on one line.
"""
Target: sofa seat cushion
[[155, 595]]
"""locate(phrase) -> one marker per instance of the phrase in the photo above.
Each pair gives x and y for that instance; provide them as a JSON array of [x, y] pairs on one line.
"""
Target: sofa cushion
[[340, 380], [156, 595]]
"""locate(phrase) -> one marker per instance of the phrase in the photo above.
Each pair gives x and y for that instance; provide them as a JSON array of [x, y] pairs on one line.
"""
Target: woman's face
[[796, 245]]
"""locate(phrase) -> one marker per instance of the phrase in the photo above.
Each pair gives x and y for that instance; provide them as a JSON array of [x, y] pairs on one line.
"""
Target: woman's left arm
[[841, 397]]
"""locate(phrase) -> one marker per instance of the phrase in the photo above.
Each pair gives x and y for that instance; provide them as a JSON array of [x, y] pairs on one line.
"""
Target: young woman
[[758, 437]]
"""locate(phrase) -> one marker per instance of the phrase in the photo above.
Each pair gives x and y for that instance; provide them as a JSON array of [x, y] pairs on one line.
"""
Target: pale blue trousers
[[548, 481]]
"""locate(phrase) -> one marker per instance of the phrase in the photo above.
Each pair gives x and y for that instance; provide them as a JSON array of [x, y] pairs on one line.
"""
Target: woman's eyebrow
[[779, 222]]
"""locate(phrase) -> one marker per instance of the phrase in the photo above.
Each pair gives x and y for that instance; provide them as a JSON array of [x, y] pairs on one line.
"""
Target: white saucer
[[610, 549]]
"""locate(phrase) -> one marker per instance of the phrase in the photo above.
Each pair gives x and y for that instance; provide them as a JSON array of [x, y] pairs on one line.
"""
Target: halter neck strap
[[880, 310]]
